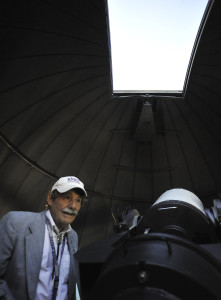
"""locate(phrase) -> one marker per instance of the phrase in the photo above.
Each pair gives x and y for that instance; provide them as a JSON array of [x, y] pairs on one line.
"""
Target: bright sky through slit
[[151, 42]]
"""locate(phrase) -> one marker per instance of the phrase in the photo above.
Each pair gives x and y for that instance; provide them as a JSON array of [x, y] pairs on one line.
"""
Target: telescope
[[171, 252]]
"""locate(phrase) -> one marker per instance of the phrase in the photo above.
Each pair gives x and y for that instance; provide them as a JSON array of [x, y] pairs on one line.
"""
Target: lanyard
[[56, 267]]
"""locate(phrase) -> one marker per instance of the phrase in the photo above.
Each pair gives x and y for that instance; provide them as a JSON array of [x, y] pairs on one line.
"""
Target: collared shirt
[[44, 287]]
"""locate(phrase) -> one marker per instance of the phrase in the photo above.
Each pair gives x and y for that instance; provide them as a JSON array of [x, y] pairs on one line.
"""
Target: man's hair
[[55, 193], [78, 191]]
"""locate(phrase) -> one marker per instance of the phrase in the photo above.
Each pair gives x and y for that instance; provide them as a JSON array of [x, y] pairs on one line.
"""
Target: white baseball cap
[[67, 183]]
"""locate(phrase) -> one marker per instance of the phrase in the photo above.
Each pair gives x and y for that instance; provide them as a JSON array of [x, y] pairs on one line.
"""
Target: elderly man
[[37, 249]]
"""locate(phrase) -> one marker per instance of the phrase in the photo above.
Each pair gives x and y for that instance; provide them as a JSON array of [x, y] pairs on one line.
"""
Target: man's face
[[64, 208]]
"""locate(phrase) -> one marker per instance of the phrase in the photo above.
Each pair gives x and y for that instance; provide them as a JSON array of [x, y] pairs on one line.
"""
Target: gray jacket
[[21, 247]]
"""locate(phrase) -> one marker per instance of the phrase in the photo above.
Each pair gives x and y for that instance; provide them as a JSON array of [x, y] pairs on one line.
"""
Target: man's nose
[[73, 203]]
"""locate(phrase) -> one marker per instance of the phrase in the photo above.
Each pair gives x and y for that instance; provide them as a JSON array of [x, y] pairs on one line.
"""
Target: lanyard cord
[[56, 267]]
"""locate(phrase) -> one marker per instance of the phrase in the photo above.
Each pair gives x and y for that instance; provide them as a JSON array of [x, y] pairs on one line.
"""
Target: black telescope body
[[173, 251]]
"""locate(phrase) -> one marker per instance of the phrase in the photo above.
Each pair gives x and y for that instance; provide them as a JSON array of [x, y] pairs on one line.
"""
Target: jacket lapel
[[34, 248]]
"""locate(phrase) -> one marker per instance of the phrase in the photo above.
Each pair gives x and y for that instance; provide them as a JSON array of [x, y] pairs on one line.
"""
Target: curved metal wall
[[57, 117]]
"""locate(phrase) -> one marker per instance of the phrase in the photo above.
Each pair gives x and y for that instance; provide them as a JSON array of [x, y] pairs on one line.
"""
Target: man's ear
[[49, 199]]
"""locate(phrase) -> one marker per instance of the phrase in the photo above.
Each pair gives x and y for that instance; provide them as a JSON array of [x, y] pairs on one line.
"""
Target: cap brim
[[70, 187]]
